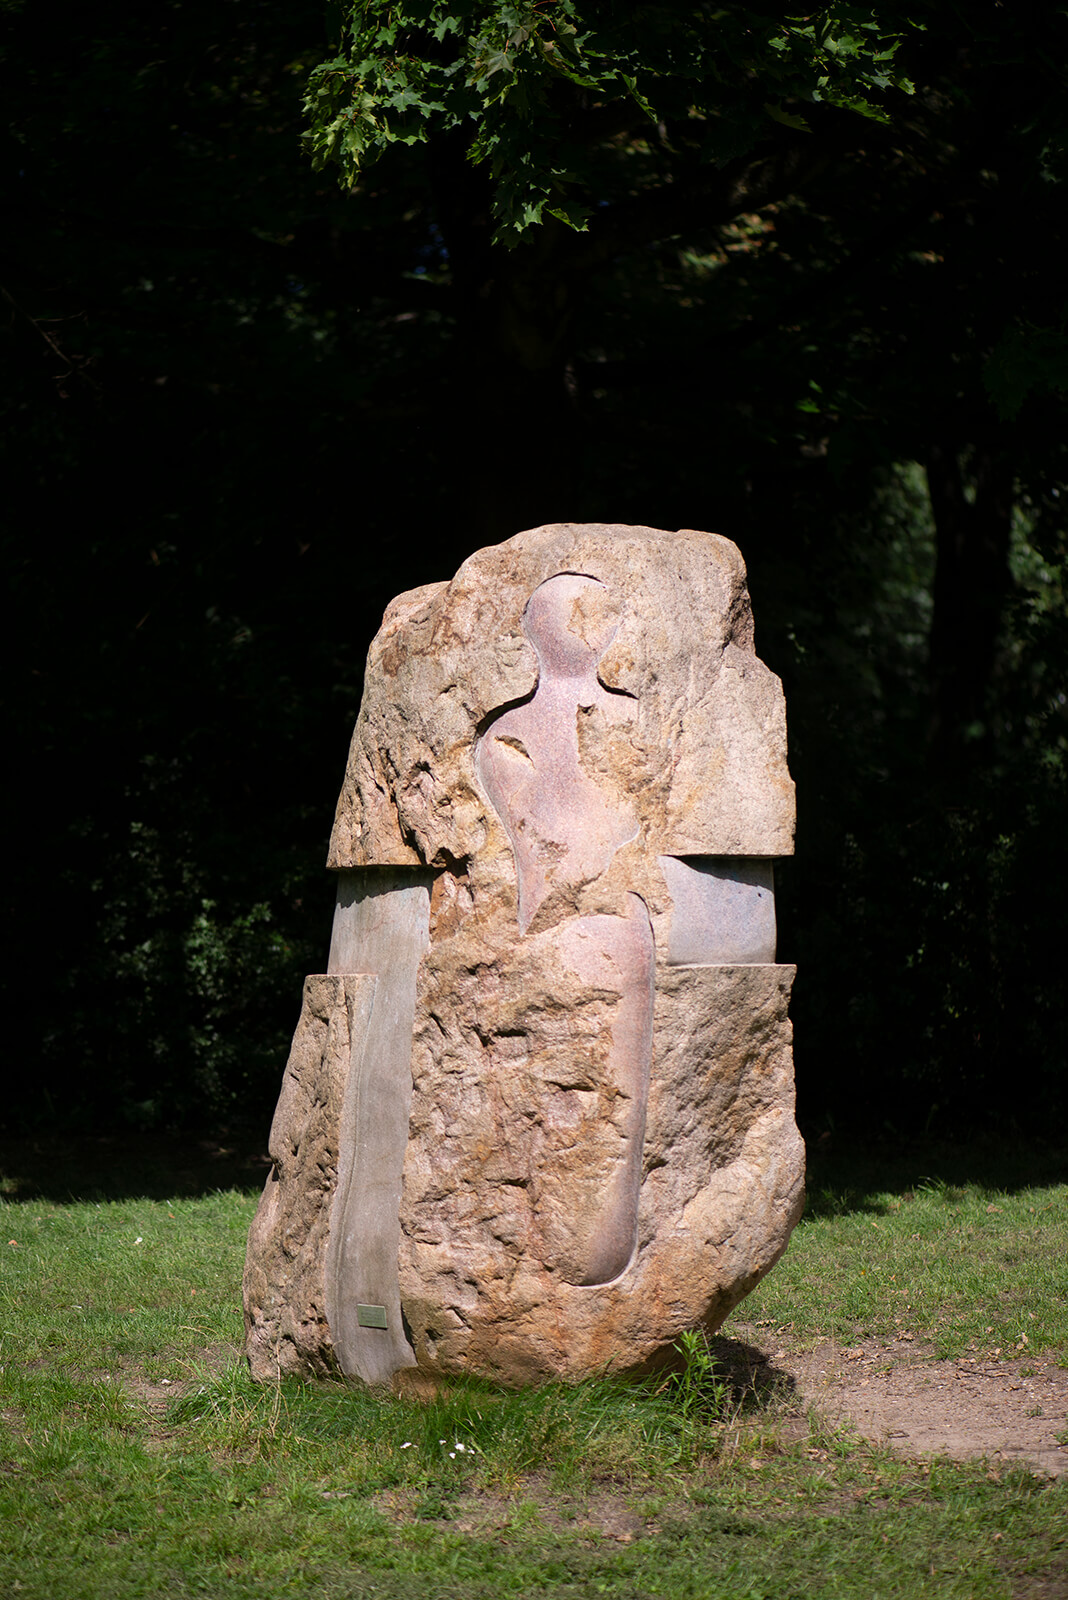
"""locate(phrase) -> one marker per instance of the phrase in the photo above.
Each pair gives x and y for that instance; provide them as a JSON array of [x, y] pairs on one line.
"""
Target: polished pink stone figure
[[564, 831]]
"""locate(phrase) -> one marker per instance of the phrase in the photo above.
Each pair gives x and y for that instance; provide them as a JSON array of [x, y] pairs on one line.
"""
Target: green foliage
[[935, 900], [698, 1388], [517, 79], [1025, 359], [168, 873], [242, 408], [194, 978]]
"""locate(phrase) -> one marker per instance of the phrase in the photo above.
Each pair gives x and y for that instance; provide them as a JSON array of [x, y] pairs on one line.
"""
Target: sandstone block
[[538, 1118]]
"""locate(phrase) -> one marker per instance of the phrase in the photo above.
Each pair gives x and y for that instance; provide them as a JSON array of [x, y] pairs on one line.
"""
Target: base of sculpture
[[721, 1188]]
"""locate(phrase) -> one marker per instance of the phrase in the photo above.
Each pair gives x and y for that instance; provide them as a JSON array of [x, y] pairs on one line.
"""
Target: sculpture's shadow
[[66, 1169], [745, 1377], [753, 1380]]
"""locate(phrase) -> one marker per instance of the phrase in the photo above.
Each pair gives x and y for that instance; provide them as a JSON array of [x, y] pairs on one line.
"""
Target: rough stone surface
[[286, 1328], [703, 760], [515, 1136], [573, 747]]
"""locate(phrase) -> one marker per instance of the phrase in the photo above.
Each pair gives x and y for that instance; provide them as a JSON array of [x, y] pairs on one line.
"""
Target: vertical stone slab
[[380, 927], [287, 1328]]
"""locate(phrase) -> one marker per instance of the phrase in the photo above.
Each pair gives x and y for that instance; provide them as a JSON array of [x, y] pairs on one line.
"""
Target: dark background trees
[[242, 409]]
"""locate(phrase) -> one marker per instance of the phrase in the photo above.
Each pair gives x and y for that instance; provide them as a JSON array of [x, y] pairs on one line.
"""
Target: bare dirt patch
[[899, 1393]]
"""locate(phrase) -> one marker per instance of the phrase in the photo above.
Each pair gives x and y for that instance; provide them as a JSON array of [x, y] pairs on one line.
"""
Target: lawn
[[136, 1457], [972, 1257]]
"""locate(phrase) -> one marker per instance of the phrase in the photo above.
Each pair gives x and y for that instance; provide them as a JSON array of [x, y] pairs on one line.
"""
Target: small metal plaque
[[371, 1316]]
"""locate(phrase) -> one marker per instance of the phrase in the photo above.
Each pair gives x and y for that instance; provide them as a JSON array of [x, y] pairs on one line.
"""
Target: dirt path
[[895, 1392], [898, 1392]]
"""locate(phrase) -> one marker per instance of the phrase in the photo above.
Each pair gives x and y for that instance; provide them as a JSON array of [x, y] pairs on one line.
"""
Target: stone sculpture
[[538, 1115]]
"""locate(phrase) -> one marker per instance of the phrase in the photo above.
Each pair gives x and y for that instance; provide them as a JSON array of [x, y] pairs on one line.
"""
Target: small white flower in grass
[[441, 1441], [460, 1447], [452, 1455], [138, 1240], [407, 1445]]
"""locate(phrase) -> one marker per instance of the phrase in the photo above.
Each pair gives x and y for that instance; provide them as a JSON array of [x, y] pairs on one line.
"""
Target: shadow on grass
[[744, 1378], [129, 1166], [753, 1380], [845, 1175]]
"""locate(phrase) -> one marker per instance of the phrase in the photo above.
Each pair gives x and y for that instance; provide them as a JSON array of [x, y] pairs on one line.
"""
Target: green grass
[[104, 1288], [971, 1267], [138, 1459]]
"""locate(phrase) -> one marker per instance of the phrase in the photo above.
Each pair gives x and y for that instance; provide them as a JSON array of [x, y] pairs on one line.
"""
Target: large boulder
[[538, 1118]]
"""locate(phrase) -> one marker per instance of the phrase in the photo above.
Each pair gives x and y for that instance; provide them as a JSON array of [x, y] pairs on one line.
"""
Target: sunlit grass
[[99, 1286], [137, 1457], [967, 1267]]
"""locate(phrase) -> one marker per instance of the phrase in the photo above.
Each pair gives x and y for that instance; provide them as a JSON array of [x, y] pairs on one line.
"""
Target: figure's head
[[571, 619]]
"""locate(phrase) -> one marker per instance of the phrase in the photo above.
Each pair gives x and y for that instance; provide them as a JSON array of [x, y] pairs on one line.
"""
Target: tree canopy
[[559, 101], [799, 281]]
